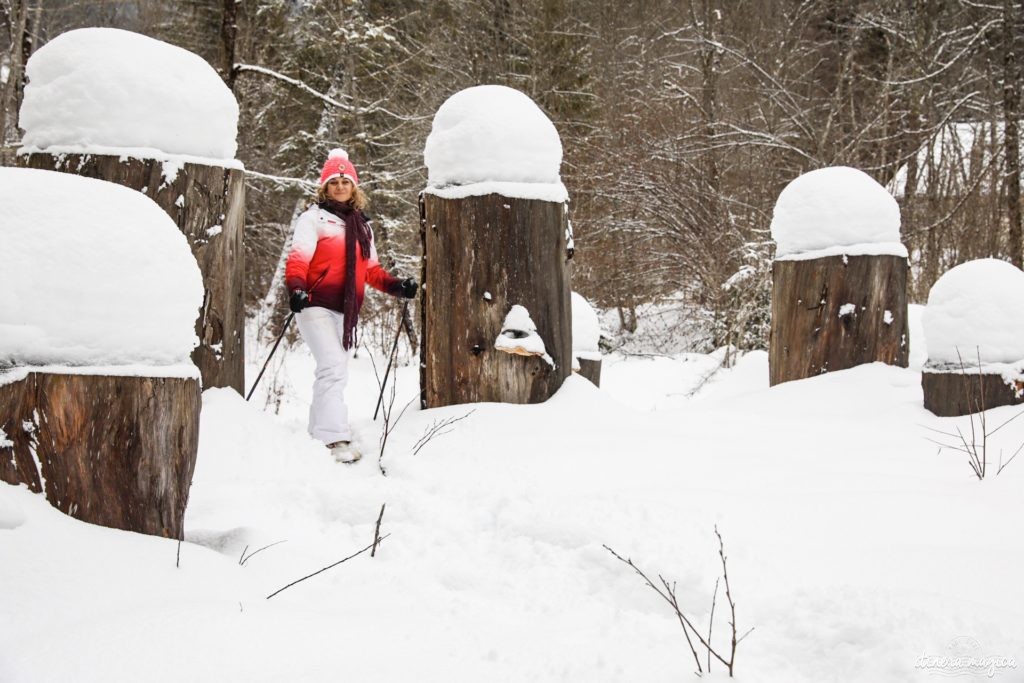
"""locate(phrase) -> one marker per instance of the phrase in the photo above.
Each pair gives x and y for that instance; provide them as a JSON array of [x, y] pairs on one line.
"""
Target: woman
[[332, 257]]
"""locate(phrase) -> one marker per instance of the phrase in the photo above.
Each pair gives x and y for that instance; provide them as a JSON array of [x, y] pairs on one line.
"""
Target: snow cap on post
[[338, 166], [493, 139], [108, 91], [110, 282], [975, 309], [835, 211], [586, 329]]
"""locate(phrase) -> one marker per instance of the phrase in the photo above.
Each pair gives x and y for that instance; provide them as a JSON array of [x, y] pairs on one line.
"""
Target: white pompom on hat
[[338, 166]]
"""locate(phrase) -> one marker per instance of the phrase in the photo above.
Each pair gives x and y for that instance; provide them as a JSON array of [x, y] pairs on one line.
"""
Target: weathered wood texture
[[115, 451], [199, 198], [591, 369], [515, 250], [808, 334], [948, 394]]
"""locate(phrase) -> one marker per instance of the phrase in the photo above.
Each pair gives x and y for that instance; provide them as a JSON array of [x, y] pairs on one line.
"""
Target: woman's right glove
[[298, 300]]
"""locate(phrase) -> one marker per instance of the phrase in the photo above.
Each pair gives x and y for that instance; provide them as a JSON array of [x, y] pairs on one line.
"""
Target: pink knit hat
[[338, 166]]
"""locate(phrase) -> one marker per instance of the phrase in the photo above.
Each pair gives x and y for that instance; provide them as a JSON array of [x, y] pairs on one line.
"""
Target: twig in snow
[[668, 595], [707, 378], [711, 620], [320, 571], [376, 531], [975, 444], [245, 558], [177, 561], [437, 428], [667, 592], [390, 425]]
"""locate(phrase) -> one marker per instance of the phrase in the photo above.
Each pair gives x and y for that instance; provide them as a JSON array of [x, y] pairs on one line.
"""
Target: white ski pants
[[321, 329]]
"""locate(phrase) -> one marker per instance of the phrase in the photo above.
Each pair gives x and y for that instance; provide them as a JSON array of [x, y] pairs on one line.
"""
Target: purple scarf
[[356, 230]]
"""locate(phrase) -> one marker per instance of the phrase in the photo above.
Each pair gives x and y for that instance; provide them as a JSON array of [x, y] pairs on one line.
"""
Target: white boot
[[344, 451]]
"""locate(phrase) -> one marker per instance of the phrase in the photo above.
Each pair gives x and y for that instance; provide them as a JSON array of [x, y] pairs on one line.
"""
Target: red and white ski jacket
[[318, 251]]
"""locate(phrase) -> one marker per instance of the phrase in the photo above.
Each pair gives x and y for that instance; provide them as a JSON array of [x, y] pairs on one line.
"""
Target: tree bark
[[812, 332], [950, 394], [115, 451], [208, 204], [482, 255]]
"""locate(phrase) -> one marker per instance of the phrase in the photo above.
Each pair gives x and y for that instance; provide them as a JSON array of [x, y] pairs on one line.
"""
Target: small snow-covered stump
[[586, 335], [99, 402], [839, 292], [119, 106], [975, 334], [495, 249]]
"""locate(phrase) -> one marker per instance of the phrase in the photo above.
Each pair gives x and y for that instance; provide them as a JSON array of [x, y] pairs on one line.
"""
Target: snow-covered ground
[[856, 550]]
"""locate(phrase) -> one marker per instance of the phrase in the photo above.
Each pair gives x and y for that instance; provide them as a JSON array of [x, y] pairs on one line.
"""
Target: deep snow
[[836, 210], [108, 91], [104, 277], [854, 547], [974, 313], [493, 139]]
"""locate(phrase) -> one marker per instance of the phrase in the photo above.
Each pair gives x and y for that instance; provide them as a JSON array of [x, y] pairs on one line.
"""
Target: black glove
[[409, 288], [298, 300]]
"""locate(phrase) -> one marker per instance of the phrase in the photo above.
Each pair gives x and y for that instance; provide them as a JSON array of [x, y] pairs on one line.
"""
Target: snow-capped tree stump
[[208, 204], [586, 339], [975, 339], [837, 312], [496, 315], [482, 256], [112, 450], [839, 281]]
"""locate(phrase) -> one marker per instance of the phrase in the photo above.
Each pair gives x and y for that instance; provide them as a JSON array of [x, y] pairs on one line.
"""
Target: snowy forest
[[680, 121], [494, 340]]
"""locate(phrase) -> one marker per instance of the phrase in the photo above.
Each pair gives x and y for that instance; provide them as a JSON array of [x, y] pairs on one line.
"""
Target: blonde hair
[[359, 199]]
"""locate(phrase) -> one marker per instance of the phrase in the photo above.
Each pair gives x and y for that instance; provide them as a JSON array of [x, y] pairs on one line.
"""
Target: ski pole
[[391, 358], [284, 329]]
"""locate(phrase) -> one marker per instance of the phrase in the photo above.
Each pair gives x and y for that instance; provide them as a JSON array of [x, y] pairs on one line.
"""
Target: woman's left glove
[[409, 288]]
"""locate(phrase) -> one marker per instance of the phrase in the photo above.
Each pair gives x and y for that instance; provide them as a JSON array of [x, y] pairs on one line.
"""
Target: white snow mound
[[836, 207], [108, 279], [976, 308], [102, 90], [493, 139], [586, 329]]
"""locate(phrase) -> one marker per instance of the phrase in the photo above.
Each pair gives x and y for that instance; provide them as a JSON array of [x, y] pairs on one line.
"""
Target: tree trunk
[[482, 255], [1011, 137], [115, 451], [229, 41], [813, 328], [208, 204], [18, 14], [950, 394]]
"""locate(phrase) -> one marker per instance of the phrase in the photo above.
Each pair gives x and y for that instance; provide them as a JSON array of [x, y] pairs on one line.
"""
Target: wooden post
[[482, 255], [112, 450], [208, 204], [835, 312], [591, 369]]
